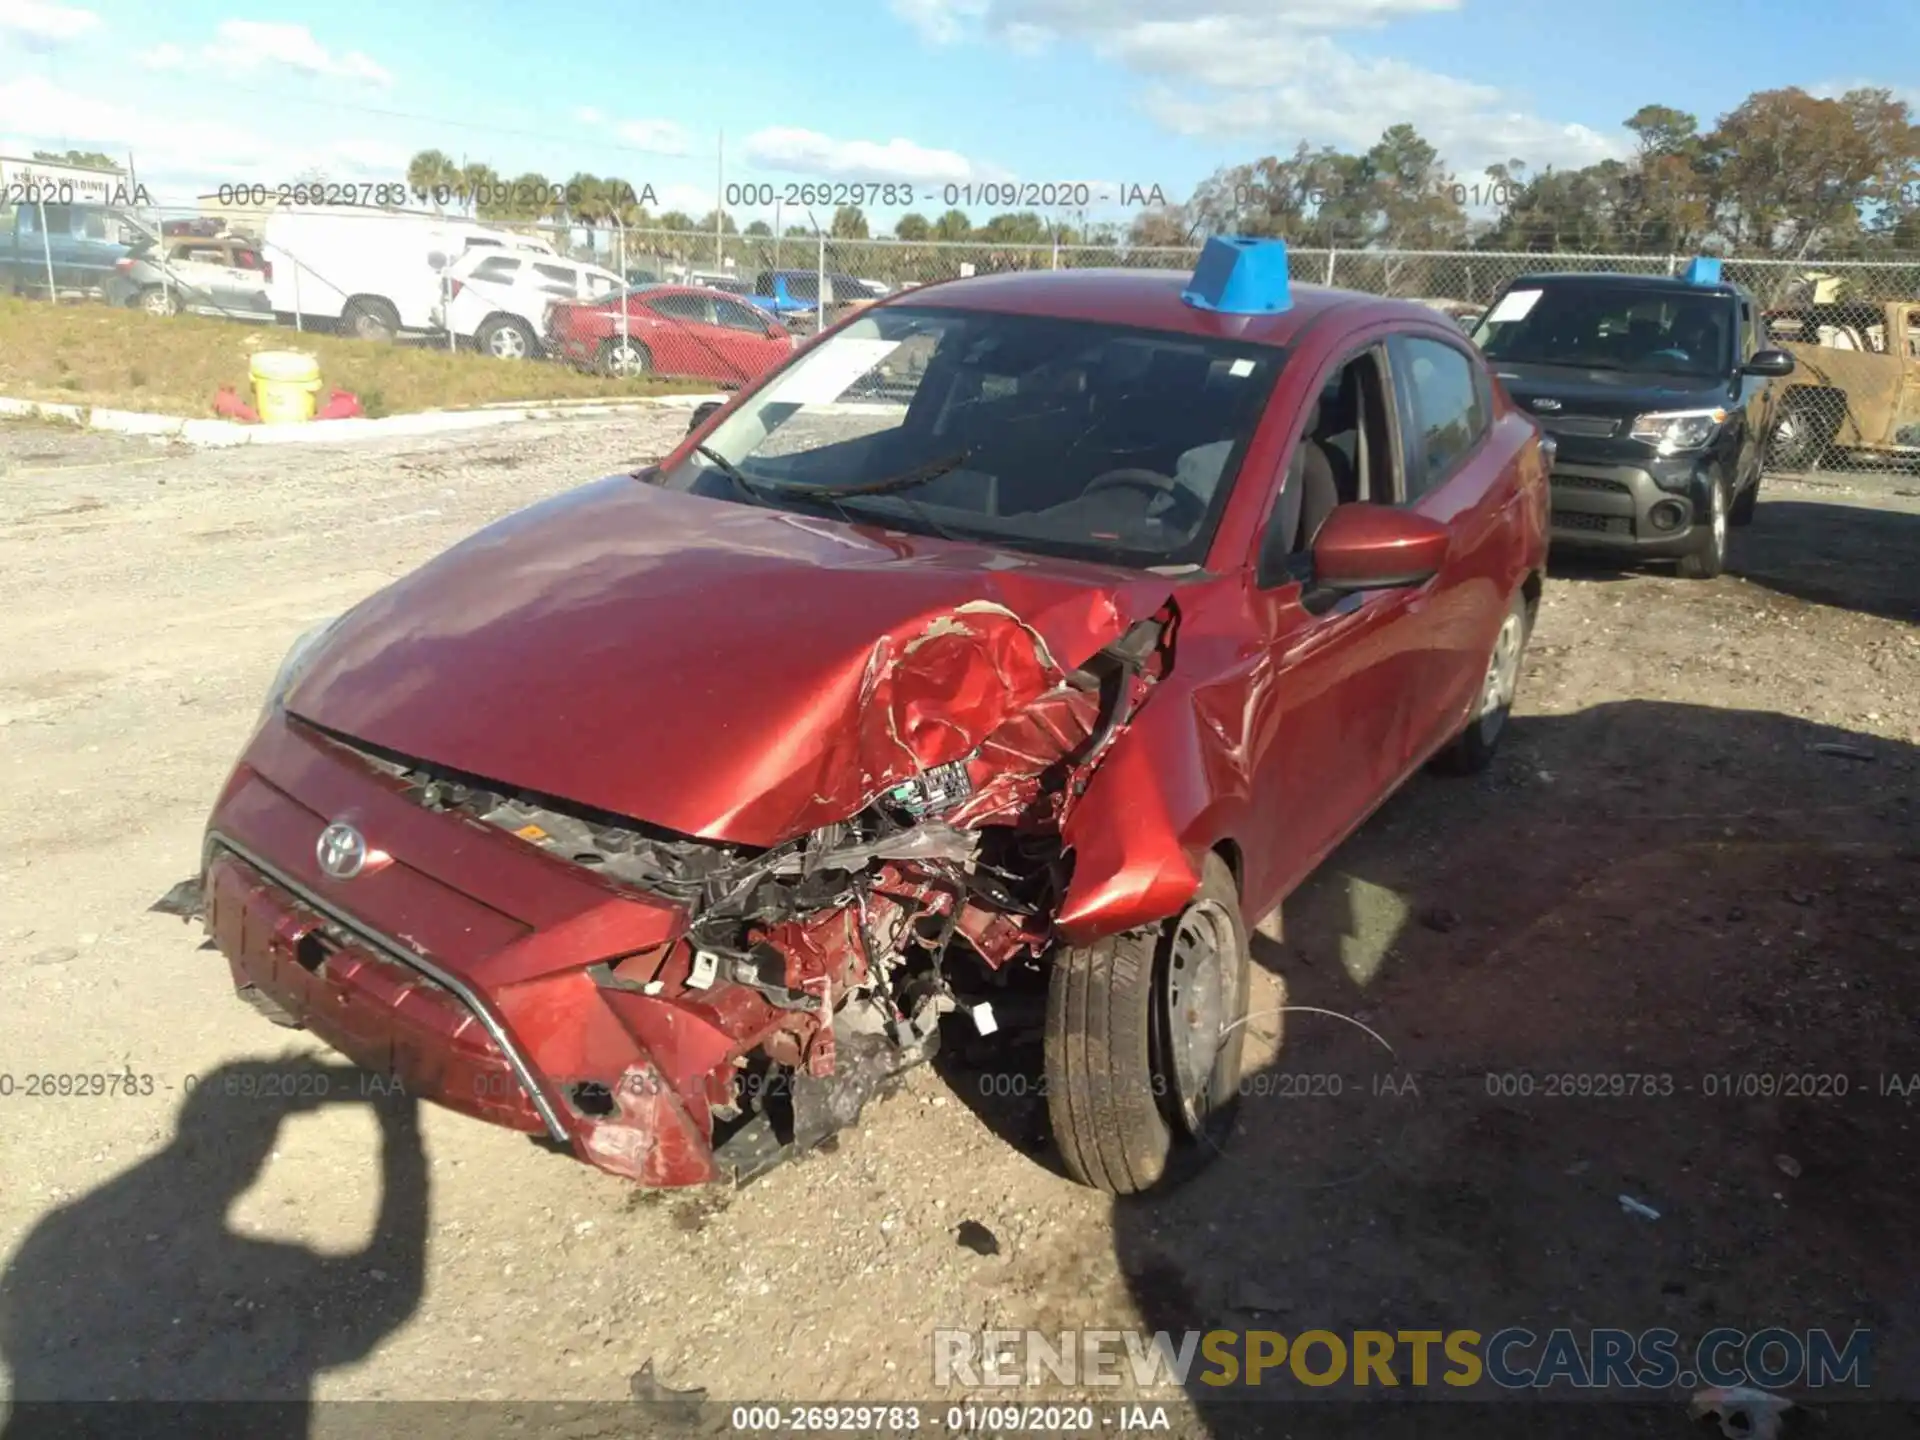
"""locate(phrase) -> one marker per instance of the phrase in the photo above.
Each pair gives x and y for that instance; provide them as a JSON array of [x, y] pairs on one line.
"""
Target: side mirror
[[702, 413], [1770, 362], [437, 260], [1376, 547]]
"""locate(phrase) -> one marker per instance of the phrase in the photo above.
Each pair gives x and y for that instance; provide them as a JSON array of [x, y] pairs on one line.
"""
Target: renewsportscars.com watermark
[[1514, 1358]]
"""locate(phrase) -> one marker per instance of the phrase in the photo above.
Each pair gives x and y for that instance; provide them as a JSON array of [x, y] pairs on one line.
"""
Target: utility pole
[[719, 205]]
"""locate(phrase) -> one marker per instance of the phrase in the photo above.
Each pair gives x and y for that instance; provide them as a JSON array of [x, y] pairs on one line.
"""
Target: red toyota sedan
[[680, 330], [1043, 628]]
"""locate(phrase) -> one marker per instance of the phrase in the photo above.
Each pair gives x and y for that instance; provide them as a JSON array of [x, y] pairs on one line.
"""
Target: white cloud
[[1834, 89], [587, 115], [807, 152], [43, 24], [657, 137], [247, 46], [179, 159], [1272, 71]]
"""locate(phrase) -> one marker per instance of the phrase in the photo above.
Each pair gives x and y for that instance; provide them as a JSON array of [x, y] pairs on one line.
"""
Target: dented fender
[[1140, 833]]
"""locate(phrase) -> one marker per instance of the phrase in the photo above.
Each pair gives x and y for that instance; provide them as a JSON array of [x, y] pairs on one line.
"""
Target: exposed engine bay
[[830, 959]]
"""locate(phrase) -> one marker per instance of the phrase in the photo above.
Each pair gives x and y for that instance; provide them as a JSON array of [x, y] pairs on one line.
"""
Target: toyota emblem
[[341, 850]]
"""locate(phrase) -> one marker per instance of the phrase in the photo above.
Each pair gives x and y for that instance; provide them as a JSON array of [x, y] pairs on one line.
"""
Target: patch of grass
[[175, 364]]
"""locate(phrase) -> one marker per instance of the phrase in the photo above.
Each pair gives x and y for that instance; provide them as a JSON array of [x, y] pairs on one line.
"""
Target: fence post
[[46, 251], [1673, 263], [820, 285], [1331, 252], [620, 241]]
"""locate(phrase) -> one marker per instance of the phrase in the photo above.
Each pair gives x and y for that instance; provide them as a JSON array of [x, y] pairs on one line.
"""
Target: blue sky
[[928, 93]]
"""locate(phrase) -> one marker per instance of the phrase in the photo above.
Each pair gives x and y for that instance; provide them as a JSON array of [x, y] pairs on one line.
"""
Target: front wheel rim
[[1199, 1006], [507, 344], [1503, 678], [623, 360]]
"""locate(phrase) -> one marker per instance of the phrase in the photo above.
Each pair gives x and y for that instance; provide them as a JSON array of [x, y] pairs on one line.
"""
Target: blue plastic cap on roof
[[1703, 270], [1240, 275]]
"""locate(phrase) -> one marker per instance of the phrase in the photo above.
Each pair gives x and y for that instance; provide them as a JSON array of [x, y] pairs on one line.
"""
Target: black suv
[[1659, 398]]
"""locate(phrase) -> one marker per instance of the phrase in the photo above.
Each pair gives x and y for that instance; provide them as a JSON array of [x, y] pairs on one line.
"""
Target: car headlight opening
[[1672, 432]]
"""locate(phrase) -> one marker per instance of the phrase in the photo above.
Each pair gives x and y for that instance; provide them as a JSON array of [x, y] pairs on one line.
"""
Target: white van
[[370, 273]]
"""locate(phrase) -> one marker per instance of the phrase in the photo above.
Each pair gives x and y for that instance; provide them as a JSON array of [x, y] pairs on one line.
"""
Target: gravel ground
[[1660, 875]]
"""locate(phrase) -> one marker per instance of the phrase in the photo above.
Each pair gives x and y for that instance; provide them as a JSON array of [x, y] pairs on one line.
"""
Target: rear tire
[[505, 337], [1709, 557], [623, 359], [1144, 1039], [157, 300], [370, 318], [1472, 750]]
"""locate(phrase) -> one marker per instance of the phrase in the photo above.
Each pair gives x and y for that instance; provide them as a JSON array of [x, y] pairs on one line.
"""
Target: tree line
[[1783, 174]]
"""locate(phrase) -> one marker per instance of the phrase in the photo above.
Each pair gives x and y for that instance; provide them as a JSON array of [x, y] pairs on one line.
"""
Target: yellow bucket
[[286, 386]]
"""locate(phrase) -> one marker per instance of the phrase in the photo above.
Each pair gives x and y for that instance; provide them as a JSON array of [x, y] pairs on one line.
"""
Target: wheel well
[[1229, 851], [372, 302]]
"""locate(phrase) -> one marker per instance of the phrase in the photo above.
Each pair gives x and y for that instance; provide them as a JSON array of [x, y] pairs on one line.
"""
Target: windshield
[[1611, 327], [1027, 432]]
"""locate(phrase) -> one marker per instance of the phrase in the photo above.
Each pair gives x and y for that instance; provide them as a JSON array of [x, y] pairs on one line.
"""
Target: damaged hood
[[722, 670]]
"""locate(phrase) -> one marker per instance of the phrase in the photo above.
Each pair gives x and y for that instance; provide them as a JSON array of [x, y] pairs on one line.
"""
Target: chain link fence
[[1852, 326]]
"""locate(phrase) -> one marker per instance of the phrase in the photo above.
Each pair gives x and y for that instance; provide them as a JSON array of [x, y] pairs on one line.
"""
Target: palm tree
[[481, 185], [432, 176]]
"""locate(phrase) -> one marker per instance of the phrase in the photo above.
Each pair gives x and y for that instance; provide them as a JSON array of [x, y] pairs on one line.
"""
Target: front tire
[[1144, 1040], [1472, 750], [1800, 435], [157, 300], [1709, 556]]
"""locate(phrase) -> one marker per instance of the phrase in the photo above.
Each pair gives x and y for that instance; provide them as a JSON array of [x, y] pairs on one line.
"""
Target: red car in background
[[679, 330], [670, 816]]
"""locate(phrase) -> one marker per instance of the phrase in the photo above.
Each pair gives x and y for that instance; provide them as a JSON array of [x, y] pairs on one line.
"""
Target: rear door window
[[735, 316], [690, 308]]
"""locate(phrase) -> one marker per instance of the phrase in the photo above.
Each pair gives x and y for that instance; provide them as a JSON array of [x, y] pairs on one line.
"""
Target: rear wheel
[[1472, 749], [507, 337], [370, 318], [623, 359], [158, 300], [1145, 1034], [1709, 555]]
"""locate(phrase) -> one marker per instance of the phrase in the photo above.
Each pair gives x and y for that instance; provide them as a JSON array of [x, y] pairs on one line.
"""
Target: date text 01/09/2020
[[991, 194]]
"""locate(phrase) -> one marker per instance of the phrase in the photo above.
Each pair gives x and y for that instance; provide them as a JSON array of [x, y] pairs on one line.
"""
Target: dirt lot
[[1662, 876]]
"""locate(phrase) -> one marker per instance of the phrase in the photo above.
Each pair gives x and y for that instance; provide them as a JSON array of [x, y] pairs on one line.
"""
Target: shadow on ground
[[1682, 894], [92, 1304], [1850, 556]]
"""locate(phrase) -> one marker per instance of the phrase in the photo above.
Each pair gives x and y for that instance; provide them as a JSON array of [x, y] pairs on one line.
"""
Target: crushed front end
[[672, 1009]]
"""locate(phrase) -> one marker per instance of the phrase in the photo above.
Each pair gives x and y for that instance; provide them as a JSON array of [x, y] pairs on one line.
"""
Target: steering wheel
[[1154, 483]]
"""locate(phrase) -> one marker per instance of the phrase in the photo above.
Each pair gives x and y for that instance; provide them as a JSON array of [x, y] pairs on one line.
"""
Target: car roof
[[1614, 278], [1150, 299]]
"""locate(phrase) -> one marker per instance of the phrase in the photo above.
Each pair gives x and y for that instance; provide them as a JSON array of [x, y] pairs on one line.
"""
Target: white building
[[49, 183]]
